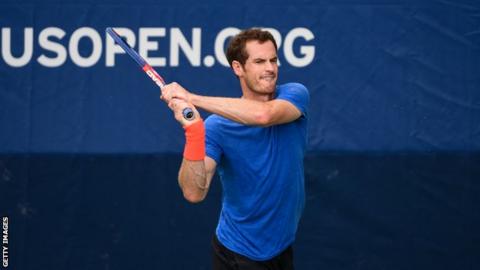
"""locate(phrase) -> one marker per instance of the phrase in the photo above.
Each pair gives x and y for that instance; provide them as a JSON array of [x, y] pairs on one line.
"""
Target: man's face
[[261, 69]]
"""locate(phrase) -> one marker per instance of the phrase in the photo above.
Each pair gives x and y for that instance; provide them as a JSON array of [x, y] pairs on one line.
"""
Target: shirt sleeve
[[295, 93], [212, 139]]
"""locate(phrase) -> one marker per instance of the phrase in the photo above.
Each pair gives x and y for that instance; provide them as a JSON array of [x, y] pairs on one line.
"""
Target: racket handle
[[188, 114]]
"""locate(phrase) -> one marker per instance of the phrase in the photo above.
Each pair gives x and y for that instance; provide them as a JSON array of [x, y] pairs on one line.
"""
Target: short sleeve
[[212, 138], [295, 93]]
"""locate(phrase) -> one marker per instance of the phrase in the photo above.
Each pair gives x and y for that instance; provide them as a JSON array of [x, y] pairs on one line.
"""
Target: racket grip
[[188, 114]]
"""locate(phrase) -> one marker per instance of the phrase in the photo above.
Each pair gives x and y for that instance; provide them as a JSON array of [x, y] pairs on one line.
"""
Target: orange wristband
[[195, 141]]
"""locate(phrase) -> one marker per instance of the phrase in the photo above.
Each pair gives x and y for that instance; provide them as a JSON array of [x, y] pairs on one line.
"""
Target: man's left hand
[[174, 90]]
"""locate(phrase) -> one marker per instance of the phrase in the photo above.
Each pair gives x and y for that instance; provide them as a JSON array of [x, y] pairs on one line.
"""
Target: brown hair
[[236, 46]]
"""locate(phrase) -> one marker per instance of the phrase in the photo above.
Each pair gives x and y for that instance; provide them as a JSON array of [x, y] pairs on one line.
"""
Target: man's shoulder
[[292, 86], [295, 93]]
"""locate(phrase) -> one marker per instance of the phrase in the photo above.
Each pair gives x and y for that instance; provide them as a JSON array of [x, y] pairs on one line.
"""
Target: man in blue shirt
[[256, 143]]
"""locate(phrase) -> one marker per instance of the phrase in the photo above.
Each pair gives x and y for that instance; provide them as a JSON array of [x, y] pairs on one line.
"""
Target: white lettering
[[27, 48], [308, 52], [145, 45], [296, 48], [220, 44], [5, 256], [5, 230], [4, 241], [93, 58], [192, 52], [157, 81], [58, 49]]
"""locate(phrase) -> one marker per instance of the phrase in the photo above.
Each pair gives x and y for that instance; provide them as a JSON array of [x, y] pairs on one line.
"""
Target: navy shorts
[[225, 259]]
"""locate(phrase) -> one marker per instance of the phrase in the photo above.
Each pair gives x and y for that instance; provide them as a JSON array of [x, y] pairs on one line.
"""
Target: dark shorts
[[225, 259]]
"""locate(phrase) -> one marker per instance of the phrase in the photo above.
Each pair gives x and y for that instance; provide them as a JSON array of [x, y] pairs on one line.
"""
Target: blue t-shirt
[[261, 170]]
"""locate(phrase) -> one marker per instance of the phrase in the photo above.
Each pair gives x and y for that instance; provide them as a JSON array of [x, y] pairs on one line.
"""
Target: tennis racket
[[157, 79]]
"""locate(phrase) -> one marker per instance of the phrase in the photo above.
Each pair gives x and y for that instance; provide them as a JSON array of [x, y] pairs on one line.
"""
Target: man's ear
[[237, 68]]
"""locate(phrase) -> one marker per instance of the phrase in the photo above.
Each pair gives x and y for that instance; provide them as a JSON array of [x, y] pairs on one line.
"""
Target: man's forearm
[[193, 181], [248, 112]]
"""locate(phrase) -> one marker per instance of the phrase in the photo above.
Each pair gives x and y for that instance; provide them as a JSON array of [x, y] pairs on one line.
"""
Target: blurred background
[[89, 154]]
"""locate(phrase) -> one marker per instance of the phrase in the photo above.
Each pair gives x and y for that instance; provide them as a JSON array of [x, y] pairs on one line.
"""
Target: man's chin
[[265, 88], [270, 88]]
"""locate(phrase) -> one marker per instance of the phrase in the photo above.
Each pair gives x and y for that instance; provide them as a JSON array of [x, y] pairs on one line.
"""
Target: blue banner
[[89, 154], [381, 77]]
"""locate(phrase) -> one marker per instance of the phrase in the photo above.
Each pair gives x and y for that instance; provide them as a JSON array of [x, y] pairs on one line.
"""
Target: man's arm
[[197, 170], [245, 111], [195, 177], [249, 112]]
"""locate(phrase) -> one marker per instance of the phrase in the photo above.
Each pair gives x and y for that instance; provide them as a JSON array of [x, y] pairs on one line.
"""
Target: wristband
[[194, 141]]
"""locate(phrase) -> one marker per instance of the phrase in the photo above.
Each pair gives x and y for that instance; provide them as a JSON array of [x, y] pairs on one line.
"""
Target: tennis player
[[257, 144]]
